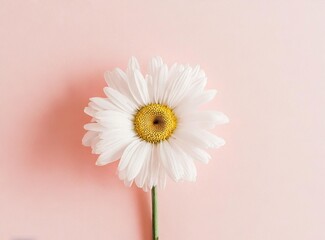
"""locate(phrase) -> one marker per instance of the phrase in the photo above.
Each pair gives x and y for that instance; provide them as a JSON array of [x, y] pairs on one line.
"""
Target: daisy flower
[[152, 123]]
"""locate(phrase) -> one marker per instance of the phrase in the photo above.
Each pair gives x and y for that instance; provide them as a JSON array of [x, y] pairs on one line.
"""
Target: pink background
[[266, 58]]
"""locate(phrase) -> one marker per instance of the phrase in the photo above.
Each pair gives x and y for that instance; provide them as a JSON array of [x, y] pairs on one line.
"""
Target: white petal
[[101, 102], [170, 161], [112, 120], [187, 136], [195, 89], [112, 137], [185, 161], [178, 87], [155, 65], [198, 78], [140, 156], [90, 111], [110, 124], [117, 132], [162, 179], [117, 79], [206, 96], [200, 155], [195, 99], [142, 177], [128, 183], [122, 176], [93, 143], [187, 88], [113, 115], [138, 87], [219, 117], [195, 152], [159, 86], [212, 140], [175, 70], [202, 119], [150, 88], [96, 127], [94, 106], [121, 101], [113, 152], [200, 82], [128, 154], [158, 72], [198, 138], [154, 166], [133, 64], [88, 137]]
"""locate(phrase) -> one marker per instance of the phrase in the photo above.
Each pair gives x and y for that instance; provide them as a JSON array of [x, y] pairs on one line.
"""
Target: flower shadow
[[57, 144]]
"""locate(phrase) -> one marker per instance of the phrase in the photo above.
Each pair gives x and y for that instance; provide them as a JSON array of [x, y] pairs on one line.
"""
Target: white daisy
[[152, 123]]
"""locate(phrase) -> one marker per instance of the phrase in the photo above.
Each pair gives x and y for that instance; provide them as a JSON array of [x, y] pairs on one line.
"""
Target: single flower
[[152, 123]]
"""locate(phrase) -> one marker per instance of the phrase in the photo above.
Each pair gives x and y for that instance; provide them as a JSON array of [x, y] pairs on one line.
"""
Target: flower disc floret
[[155, 122]]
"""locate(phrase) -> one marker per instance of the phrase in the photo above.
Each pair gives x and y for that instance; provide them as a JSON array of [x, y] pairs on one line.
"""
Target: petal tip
[[133, 63], [99, 164]]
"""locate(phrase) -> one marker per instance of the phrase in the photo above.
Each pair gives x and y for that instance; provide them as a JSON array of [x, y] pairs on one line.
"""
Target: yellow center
[[155, 122]]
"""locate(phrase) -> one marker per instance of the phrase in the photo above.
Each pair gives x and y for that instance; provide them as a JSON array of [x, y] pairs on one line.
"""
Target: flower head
[[152, 123]]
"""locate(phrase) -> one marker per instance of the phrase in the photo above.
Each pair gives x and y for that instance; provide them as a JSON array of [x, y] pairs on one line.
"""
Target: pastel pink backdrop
[[266, 58]]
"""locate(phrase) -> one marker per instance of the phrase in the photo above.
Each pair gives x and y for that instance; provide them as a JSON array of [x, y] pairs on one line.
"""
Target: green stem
[[154, 213]]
